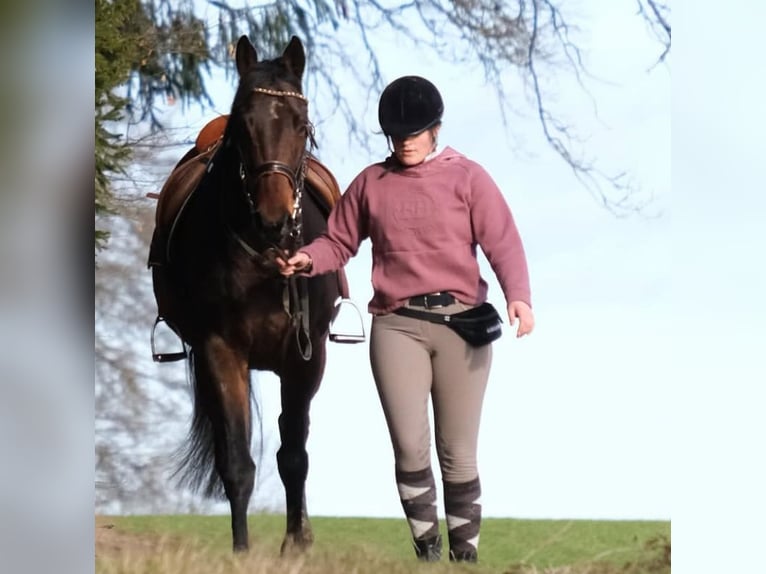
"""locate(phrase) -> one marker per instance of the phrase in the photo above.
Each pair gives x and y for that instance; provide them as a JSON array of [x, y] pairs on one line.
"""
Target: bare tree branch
[[657, 18], [559, 135], [502, 37]]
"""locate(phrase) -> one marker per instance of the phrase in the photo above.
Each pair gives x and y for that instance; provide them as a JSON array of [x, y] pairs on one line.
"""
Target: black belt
[[432, 300]]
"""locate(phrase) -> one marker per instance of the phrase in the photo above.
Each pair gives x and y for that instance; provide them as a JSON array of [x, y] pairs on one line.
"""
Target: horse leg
[[230, 379], [292, 458]]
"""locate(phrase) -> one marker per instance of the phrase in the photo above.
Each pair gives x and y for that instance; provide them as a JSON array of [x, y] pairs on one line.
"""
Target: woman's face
[[413, 150]]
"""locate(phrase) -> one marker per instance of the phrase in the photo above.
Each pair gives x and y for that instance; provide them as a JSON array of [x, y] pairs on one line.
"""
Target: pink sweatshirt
[[424, 223]]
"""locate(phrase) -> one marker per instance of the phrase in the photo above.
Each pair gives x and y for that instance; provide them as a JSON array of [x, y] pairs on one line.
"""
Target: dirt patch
[[111, 541]]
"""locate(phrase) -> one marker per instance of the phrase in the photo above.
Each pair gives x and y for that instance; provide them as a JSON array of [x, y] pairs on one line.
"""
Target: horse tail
[[195, 468]]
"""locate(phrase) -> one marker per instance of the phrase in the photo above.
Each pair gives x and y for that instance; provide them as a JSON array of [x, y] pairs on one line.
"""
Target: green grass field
[[196, 544]]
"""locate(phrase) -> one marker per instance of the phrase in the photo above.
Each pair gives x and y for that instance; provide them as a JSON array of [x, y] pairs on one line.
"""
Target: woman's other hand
[[521, 311]]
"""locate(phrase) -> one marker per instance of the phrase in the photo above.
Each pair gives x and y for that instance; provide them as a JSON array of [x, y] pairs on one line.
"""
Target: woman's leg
[[460, 374], [401, 365]]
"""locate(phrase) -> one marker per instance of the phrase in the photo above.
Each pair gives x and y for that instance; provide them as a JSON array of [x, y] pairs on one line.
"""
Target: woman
[[425, 212]]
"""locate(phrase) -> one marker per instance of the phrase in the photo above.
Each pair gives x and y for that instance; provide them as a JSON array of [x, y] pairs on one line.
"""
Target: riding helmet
[[408, 106]]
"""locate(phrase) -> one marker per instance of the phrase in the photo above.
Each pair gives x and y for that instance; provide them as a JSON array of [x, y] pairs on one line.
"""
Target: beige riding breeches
[[414, 360]]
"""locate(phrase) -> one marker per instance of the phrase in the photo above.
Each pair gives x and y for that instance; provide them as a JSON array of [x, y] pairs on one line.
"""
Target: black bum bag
[[478, 326]]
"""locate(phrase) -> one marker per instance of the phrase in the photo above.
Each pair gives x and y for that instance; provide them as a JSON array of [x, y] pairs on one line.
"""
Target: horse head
[[269, 127]]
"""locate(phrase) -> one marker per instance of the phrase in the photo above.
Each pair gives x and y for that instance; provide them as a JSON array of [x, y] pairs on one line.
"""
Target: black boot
[[464, 556], [428, 549]]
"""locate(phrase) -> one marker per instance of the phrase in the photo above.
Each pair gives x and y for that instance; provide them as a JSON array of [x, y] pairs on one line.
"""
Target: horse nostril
[[273, 226]]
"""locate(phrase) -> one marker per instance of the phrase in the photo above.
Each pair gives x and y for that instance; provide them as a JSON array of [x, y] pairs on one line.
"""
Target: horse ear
[[294, 57], [246, 55]]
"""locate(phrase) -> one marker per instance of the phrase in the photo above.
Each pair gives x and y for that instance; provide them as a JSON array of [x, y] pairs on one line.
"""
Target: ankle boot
[[464, 556], [428, 549]]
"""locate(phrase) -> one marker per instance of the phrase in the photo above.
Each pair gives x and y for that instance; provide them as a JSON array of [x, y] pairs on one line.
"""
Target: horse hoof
[[296, 545]]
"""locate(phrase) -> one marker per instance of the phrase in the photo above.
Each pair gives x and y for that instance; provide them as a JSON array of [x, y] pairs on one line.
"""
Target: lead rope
[[299, 297], [302, 298], [296, 306]]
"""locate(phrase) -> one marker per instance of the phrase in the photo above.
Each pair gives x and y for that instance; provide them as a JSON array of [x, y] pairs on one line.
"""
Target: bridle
[[295, 304], [296, 176]]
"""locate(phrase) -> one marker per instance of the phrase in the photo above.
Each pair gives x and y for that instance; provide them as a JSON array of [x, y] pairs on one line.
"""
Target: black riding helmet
[[408, 106]]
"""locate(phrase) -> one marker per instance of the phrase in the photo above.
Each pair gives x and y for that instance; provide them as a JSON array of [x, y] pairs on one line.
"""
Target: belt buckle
[[429, 306]]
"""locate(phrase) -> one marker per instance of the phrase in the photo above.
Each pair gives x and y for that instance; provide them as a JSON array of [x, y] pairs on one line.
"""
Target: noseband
[[278, 167]]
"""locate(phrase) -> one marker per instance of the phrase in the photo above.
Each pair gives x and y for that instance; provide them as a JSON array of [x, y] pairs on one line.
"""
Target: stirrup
[[165, 357], [336, 332]]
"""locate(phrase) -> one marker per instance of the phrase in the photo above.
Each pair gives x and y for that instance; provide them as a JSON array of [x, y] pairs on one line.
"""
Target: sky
[[719, 280], [576, 422]]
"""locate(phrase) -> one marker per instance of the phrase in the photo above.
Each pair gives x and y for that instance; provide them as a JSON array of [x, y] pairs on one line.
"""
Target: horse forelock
[[269, 75]]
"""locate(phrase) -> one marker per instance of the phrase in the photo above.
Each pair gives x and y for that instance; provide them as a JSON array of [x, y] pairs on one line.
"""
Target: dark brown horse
[[217, 286]]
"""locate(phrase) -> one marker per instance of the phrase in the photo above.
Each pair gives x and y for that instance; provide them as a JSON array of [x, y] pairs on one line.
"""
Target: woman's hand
[[297, 263], [521, 311]]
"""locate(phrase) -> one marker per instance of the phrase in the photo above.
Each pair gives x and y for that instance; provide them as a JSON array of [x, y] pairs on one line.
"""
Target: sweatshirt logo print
[[414, 211]]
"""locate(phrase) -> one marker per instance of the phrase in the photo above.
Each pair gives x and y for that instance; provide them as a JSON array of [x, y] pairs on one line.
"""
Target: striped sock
[[461, 503], [417, 491]]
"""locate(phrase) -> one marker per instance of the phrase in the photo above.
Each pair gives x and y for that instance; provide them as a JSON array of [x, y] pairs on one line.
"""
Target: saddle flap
[[179, 185]]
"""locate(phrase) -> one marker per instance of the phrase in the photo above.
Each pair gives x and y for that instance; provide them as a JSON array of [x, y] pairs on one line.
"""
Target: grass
[[191, 544]]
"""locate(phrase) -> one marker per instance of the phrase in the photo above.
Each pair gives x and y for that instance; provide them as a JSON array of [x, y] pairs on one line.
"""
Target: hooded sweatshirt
[[424, 223]]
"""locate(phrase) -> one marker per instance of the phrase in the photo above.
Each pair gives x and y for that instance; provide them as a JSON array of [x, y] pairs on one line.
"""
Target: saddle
[[189, 171]]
